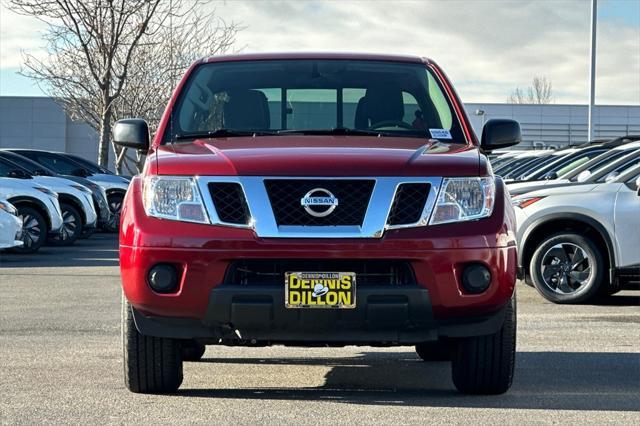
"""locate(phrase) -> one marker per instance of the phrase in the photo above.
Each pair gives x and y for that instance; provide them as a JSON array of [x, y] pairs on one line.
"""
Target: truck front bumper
[[237, 315]]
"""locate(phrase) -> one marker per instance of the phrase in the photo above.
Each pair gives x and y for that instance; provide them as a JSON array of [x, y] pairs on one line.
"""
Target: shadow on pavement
[[619, 300], [97, 250], [543, 380]]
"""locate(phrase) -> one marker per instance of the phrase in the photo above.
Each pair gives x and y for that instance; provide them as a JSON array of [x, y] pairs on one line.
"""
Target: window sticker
[[440, 133]]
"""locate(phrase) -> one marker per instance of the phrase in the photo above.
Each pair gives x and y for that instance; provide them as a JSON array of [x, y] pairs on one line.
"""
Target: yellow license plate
[[329, 290]]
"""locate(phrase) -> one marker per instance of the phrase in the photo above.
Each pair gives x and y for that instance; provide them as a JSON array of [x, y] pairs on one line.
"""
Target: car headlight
[[82, 188], [463, 199], [9, 208], [46, 191], [174, 198], [523, 202]]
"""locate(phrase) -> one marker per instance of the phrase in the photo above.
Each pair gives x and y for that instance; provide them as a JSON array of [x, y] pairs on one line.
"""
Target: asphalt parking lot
[[60, 362]]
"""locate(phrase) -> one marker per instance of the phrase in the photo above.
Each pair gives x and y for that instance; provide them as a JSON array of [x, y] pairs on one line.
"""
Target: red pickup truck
[[317, 199]]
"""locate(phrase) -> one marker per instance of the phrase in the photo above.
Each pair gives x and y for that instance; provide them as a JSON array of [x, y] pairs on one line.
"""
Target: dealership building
[[39, 122]]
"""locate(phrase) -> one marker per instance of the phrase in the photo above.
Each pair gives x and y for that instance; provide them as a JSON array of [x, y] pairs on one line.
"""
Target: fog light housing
[[163, 278], [476, 278]]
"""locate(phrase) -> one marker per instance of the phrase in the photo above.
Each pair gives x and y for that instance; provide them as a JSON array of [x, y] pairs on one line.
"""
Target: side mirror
[[17, 174], [638, 185], [80, 172], [551, 176], [500, 133], [611, 177], [584, 175], [131, 133]]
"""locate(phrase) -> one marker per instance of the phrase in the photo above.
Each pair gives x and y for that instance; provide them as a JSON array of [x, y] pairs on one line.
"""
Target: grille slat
[[368, 271], [408, 203], [229, 201], [353, 198]]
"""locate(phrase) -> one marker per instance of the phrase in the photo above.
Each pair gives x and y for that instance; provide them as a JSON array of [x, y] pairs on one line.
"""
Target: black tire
[[34, 230], [434, 351], [485, 364], [115, 206], [192, 350], [71, 227], [151, 364], [572, 284]]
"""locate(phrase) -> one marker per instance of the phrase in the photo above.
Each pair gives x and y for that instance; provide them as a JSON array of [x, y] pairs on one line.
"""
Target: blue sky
[[487, 47]]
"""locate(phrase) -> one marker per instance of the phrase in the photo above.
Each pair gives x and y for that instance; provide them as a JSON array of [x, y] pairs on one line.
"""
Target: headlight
[[523, 202], [46, 191], [462, 199], [7, 207], [82, 188], [173, 197]]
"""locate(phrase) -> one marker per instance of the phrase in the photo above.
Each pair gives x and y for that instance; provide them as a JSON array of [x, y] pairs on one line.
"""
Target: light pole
[[592, 69]]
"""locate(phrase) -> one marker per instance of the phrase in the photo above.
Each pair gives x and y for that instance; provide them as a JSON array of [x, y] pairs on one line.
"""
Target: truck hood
[[294, 155]]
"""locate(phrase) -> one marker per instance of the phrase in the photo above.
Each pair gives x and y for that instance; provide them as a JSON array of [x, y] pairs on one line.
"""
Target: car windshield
[[348, 97], [31, 166], [600, 161]]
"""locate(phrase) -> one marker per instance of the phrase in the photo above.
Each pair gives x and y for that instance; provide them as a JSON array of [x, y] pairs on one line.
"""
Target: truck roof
[[317, 55]]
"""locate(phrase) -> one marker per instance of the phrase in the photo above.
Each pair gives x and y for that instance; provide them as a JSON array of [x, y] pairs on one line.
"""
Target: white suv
[[577, 241], [10, 225], [38, 209]]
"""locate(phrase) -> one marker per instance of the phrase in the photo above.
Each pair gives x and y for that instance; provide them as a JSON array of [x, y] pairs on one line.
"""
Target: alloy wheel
[[69, 225], [31, 231], [566, 268]]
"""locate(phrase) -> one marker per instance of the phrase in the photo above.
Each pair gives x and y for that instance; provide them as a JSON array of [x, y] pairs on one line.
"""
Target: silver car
[[578, 241], [38, 209]]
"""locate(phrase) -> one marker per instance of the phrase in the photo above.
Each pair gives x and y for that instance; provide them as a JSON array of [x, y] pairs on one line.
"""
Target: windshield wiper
[[334, 131], [222, 133]]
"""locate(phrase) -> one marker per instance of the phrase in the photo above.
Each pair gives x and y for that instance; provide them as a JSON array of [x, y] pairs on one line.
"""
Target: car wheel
[[71, 227], [567, 268], [115, 206], [34, 230], [192, 350], [434, 351], [485, 364], [151, 364]]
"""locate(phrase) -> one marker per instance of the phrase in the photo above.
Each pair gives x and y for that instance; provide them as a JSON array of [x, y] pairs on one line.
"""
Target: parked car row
[[578, 216], [56, 198]]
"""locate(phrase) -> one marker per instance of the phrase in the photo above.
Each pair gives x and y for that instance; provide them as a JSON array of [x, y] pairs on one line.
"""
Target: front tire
[[115, 206], [192, 350], [71, 227], [151, 364], [567, 268], [34, 231], [485, 364]]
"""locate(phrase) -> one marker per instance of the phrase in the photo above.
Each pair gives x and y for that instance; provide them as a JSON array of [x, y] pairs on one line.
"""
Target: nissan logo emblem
[[319, 202]]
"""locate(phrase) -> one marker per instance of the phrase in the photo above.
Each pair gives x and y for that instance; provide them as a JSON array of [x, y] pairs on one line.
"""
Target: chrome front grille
[[352, 195], [364, 206]]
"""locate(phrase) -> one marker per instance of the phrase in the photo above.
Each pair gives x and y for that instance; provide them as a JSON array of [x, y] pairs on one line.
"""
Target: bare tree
[[540, 92], [160, 62], [106, 58]]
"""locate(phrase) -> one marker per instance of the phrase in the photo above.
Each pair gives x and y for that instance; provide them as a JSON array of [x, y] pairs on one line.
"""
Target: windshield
[[31, 166], [295, 96]]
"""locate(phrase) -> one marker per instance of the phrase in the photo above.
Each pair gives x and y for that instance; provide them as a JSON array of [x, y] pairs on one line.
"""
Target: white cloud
[[486, 47], [18, 33]]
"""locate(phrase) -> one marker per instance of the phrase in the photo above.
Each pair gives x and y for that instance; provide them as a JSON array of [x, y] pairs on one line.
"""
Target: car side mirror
[[132, 133], [584, 175], [638, 185], [611, 177], [17, 174], [80, 172], [551, 176], [500, 133]]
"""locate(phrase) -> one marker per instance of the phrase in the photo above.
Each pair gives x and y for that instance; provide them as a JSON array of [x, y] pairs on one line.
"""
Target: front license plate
[[329, 290]]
